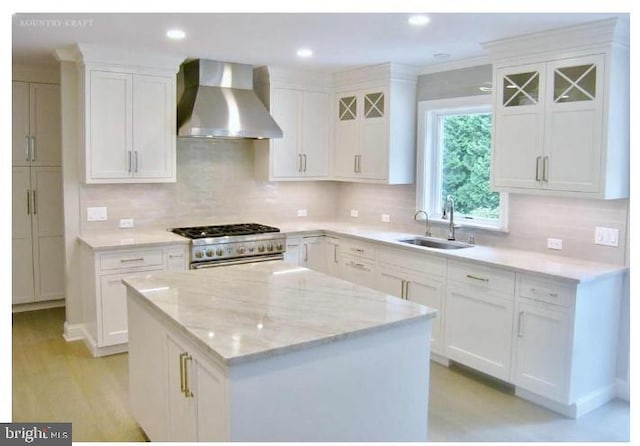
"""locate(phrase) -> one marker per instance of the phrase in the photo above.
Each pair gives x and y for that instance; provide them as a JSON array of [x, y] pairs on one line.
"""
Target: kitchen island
[[274, 352]]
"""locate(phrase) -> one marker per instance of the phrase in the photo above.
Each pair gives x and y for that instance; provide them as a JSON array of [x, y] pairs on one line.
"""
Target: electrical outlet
[[354, 212], [385, 218], [554, 243], [607, 236], [302, 212], [96, 214], [126, 222]]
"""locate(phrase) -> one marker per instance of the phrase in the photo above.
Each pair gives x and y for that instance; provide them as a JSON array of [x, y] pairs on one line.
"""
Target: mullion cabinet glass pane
[[374, 105], [573, 84], [520, 89]]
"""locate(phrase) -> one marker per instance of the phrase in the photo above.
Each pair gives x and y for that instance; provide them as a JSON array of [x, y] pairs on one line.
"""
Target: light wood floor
[[58, 381]]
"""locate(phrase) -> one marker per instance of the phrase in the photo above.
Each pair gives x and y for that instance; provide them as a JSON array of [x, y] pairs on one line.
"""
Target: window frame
[[428, 159]]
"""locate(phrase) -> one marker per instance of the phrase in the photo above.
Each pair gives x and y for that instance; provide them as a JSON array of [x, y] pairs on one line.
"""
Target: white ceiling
[[339, 41]]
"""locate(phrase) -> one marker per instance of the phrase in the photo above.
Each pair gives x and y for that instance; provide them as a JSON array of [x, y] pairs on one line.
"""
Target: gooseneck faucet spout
[[449, 207], [427, 231]]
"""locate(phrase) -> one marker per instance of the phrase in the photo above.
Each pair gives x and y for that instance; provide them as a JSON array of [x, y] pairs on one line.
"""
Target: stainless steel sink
[[431, 243]]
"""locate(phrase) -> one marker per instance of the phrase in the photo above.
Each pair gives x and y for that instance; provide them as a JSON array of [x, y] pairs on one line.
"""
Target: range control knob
[[219, 252], [241, 250], [260, 248], [269, 247], [251, 249], [279, 247], [209, 253], [199, 254]]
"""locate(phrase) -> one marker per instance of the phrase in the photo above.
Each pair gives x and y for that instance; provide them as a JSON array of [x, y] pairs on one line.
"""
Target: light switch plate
[[96, 214], [607, 236], [354, 212], [385, 218], [554, 243], [302, 212], [126, 222]]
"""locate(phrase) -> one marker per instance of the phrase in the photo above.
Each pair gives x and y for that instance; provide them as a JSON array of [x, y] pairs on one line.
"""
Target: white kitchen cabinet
[[37, 235], [374, 121], [105, 304], [36, 136], [333, 256], [542, 349], [479, 315], [562, 121], [130, 127], [292, 252], [300, 105], [417, 278], [196, 396], [184, 399], [128, 112], [315, 253]]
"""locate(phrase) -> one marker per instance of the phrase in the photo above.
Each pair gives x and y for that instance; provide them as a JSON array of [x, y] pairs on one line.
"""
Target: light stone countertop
[[245, 312], [576, 270], [131, 238]]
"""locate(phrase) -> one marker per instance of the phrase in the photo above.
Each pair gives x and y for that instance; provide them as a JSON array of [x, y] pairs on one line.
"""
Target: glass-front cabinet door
[[573, 139], [519, 126]]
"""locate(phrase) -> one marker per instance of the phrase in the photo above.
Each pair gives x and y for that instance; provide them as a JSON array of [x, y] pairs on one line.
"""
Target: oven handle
[[241, 261]]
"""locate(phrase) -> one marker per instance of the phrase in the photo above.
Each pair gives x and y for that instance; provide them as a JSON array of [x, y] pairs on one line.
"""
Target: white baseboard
[[576, 410], [73, 332], [32, 306], [97, 352], [622, 389]]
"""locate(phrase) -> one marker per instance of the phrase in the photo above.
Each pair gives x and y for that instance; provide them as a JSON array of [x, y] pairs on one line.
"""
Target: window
[[454, 155]]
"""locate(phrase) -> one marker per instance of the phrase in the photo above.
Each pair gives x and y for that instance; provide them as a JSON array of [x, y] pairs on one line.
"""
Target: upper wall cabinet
[[129, 114], [299, 103], [561, 122], [36, 124], [374, 123]]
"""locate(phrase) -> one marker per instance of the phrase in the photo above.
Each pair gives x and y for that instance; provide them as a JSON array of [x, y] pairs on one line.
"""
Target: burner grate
[[197, 232]]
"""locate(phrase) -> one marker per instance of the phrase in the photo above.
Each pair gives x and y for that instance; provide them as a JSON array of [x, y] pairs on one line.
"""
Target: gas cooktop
[[197, 232]]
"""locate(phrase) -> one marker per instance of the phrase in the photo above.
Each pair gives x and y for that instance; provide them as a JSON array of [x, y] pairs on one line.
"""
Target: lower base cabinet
[[105, 305], [542, 349]]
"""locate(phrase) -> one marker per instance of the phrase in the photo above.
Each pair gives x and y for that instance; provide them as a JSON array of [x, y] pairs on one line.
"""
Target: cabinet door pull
[[359, 163], [304, 155], [137, 259], [299, 162], [187, 391], [482, 279], [28, 202], [27, 148], [35, 203], [545, 169], [33, 148], [135, 158], [521, 324], [402, 289], [129, 162], [182, 384], [406, 289], [335, 253], [538, 159], [306, 252], [355, 163]]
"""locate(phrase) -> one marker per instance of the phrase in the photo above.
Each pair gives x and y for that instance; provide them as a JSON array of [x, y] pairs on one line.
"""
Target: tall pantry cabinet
[[37, 211]]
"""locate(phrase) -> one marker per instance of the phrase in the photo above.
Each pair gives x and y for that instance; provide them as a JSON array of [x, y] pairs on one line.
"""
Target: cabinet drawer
[[131, 259], [494, 279], [360, 249], [422, 263], [545, 290]]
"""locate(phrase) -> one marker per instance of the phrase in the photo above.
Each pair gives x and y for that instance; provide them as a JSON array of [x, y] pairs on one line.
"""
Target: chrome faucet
[[448, 207], [427, 229]]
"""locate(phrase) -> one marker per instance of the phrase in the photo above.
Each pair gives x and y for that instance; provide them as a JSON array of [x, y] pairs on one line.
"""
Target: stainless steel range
[[232, 244]]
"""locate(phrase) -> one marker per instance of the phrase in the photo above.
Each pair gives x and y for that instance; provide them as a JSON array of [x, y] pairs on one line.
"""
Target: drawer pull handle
[[137, 259], [358, 250], [533, 290], [176, 256], [481, 279], [553, 294]]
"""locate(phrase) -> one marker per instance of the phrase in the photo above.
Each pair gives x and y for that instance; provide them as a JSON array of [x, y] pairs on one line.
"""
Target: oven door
[[240, 261]]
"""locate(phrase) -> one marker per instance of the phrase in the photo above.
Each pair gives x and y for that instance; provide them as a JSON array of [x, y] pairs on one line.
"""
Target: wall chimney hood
[[219, 102]]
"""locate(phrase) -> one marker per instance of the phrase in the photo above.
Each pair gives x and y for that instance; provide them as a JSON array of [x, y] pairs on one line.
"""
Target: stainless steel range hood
[[219, 102]]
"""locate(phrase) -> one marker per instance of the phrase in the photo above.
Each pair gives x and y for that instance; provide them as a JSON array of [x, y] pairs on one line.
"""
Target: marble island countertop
[[244, 312], [573, 269]]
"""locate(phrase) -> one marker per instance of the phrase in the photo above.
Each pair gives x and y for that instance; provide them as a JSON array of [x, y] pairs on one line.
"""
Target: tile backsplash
[[216, 184]]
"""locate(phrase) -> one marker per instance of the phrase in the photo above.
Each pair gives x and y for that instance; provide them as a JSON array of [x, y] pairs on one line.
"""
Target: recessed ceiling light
[[419, 20], [176, 34], [304, 53], [441, 56]]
